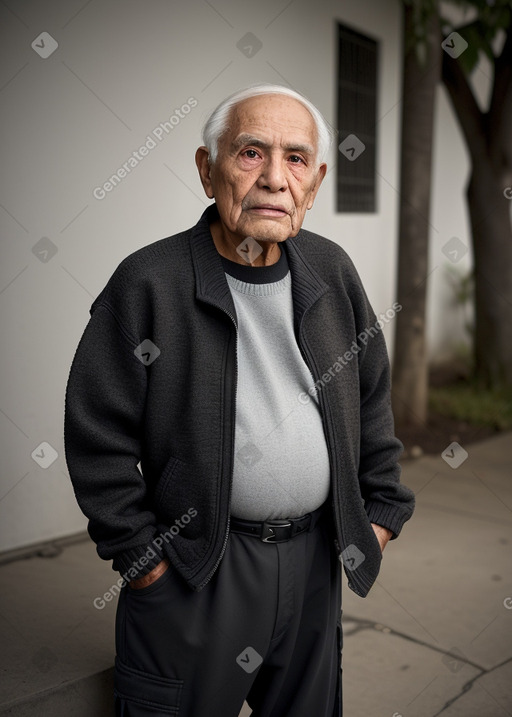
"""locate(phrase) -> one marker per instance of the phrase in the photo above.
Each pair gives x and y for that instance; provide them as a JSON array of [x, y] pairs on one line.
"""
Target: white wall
[[445, 317], [71, 120]]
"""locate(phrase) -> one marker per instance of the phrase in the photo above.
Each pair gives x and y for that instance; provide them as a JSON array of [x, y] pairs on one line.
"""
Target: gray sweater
[[281, 467]]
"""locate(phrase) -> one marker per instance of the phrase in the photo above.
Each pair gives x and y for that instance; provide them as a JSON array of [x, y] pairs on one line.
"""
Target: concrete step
[[85, 697], [61, 648]]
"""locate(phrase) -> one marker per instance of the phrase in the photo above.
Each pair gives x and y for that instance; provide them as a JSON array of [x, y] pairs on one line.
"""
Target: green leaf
[[477, 42]]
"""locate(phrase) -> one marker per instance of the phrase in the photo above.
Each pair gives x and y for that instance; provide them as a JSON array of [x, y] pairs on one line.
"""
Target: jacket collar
[[213, 288]]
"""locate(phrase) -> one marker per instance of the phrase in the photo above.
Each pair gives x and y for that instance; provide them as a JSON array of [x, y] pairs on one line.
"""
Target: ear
[[204, 167], [322, 169]]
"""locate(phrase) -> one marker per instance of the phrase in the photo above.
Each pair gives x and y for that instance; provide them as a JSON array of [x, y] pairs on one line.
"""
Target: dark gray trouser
[[266, 628]]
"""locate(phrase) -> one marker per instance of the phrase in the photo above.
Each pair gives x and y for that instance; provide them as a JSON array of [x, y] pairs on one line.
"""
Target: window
[[357, 117]]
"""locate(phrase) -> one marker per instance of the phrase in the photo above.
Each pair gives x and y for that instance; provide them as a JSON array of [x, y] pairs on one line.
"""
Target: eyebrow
[[245, 138]]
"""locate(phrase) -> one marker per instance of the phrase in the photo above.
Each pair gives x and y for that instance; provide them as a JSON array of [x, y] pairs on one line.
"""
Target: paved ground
[[434, 637]]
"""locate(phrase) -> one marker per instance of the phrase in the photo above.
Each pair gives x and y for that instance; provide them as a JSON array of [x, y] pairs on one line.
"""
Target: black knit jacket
[[153, 383]]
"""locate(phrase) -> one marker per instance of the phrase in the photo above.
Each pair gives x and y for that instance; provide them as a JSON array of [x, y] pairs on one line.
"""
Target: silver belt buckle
[[269, 533]]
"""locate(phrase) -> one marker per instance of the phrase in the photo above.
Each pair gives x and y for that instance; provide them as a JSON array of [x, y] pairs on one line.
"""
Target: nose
[[273, 175]]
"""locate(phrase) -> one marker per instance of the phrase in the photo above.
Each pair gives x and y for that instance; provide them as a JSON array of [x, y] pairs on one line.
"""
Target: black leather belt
[[277, 531]]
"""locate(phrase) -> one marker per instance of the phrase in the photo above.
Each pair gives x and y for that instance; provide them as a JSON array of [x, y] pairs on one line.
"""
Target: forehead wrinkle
[[246, 138]]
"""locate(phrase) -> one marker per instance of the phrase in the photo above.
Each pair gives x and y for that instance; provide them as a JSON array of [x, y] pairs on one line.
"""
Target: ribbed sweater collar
[[212, 286]]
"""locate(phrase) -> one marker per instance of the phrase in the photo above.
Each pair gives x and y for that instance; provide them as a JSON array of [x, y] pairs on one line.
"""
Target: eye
[[295, 159], [250, 153]]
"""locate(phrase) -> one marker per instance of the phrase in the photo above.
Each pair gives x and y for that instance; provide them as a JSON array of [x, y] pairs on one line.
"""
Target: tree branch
[[466, 108]]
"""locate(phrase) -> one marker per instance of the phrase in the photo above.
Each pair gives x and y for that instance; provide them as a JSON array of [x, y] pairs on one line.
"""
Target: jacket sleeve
[[387, 501], [104, 410]]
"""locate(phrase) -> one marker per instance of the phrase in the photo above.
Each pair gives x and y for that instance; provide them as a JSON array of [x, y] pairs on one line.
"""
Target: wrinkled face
[[265, 176]]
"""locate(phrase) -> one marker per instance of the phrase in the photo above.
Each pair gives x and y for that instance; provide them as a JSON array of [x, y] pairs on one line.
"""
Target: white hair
[[217, 122]]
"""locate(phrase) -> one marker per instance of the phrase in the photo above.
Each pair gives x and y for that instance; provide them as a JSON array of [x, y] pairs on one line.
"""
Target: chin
[[267, 233], [271, 239]]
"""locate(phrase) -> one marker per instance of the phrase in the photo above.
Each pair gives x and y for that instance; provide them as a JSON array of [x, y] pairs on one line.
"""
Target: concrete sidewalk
[[434, 637]]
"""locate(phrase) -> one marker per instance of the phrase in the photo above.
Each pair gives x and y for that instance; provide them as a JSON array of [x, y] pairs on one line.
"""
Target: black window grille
[[356, 119]]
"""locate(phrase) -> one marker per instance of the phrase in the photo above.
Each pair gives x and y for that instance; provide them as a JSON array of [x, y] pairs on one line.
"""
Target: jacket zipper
[[233, 424], [326, 413], [311, 362]]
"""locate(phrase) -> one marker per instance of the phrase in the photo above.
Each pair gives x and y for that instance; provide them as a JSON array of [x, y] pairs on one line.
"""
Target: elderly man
[[229, 435]]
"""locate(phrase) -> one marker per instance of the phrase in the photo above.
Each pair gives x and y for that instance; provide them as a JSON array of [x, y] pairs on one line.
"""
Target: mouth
[[269, 210]]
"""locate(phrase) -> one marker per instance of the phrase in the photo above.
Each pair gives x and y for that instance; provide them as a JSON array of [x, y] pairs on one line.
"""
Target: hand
[[383, 535], [151, 577]]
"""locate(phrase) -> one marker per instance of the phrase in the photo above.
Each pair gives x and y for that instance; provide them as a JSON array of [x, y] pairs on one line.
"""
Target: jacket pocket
[[172, 465], [139, 694]]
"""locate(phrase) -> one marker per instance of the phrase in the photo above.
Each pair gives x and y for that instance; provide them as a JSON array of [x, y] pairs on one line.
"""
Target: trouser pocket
[[140, 694]]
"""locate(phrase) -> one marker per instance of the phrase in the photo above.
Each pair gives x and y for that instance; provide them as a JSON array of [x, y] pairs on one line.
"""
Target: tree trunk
[[410, 366], [489, 212], [489, 140]]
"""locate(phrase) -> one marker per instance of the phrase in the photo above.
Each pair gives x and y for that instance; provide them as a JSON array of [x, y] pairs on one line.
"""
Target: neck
[[270, 251]]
